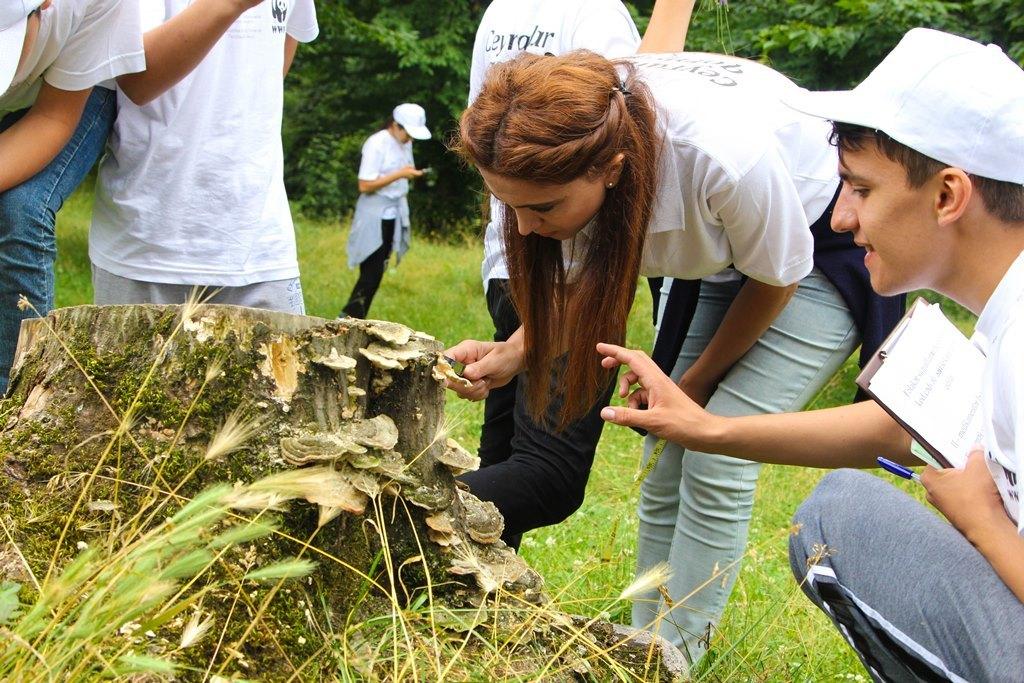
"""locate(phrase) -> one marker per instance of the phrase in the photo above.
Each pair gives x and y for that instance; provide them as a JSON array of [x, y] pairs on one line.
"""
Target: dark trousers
[[371, 272], [535, 475]]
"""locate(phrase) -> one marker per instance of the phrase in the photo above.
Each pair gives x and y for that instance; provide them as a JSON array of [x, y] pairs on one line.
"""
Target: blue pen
[[898, 470]]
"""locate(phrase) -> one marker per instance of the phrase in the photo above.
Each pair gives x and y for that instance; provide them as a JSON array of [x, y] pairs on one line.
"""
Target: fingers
[[627, 417], [467, 351], [494, 364], [637, 361], [638, 399], [476, 391], [624, 386]]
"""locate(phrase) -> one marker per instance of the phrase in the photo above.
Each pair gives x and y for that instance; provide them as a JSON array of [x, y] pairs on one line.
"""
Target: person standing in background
[[381, 223]]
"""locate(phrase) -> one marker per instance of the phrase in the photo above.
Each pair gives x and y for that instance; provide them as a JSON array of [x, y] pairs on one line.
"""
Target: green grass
[[770, 632]]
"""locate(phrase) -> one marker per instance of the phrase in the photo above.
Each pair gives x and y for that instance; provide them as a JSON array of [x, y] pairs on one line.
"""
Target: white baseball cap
[[947, 97], [13, 23], [413, 119]]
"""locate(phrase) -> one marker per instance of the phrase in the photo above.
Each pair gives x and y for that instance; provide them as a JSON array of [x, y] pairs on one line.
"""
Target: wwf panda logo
[[279, 10]]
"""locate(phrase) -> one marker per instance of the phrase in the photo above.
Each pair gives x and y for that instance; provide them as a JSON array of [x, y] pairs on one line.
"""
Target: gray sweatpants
[[912, 596], [275, 295]]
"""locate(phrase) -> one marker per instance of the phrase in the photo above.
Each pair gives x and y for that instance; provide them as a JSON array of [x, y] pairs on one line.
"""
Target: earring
[[611, 185]]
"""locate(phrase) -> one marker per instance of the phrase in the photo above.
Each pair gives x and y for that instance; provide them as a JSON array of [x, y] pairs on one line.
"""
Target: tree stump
[[123, 413]]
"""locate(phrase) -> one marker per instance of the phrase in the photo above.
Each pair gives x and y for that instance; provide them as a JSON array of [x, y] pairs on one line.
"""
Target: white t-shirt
[[1000, 335], [192, 190], [510, 27], [742, 176], [383, 154], [81, 43]]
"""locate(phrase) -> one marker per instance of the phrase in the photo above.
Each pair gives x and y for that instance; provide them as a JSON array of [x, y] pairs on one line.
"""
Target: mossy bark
[[109, 419]]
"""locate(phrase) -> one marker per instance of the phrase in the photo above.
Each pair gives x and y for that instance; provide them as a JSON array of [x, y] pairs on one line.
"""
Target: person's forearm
[[847, 436], [177, 46], [750, 314], [1003, 547], [291, 46], [368, 186], [516, 339], [666, 32], [36, 138]]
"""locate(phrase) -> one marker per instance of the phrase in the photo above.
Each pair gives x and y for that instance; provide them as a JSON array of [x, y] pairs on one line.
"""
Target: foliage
[[833, 44], [373, 55]]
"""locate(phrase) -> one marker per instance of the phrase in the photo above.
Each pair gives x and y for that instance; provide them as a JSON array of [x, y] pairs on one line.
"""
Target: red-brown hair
[[551, 120]]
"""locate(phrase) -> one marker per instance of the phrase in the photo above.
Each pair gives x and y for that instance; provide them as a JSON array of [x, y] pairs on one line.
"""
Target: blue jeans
[[28, 216], [695, 507]]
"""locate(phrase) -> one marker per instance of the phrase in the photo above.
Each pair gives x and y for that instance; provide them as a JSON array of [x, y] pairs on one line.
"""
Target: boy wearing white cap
[[191, 192], [53, 128], [933, 187], [381, 223]]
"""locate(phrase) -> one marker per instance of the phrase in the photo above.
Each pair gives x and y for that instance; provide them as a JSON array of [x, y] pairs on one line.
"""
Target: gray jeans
[[276, 295], [926, 604], [695, 507]]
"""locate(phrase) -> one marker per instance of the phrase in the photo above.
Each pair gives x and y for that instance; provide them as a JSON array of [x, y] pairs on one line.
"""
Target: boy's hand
[[967, 497], [669, 414]]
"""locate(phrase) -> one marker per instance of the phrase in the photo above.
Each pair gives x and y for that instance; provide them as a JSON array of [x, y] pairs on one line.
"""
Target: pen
[[898, 470]]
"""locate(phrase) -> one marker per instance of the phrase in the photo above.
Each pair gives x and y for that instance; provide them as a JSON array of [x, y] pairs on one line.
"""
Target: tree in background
[[374, 54]]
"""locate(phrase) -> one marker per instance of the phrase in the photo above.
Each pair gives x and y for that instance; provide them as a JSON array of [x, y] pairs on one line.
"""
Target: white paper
[[931, 379]]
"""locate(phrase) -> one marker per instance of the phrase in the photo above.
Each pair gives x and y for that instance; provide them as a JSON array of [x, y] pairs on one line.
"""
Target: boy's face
[[894, 222]]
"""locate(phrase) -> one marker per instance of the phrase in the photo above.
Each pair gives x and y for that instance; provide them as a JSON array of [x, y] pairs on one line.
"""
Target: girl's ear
[[614, 170]]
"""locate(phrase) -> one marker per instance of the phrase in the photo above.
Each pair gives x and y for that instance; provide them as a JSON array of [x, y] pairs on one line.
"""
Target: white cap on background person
[[13, 23], [949, 98], [413, 119]]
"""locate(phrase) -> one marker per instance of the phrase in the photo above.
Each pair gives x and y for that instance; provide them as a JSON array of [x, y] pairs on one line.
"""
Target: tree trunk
[[116, 413]]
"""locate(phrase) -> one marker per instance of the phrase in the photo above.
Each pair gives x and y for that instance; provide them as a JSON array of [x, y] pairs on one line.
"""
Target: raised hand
[[669, 413]]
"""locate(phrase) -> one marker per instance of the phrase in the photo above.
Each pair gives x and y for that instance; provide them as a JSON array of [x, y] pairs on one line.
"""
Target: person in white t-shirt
[[930, 147], [381, 223], [56, 117], [686, 166], [191, 192]]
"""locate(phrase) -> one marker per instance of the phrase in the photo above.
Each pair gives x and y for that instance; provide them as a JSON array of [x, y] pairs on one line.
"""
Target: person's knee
[[559, 499], [574, 495], [809, 542]]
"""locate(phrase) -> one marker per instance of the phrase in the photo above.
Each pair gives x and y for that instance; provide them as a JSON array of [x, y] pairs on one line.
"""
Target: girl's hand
[[488, 365], [669, 414], [409, 172]]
